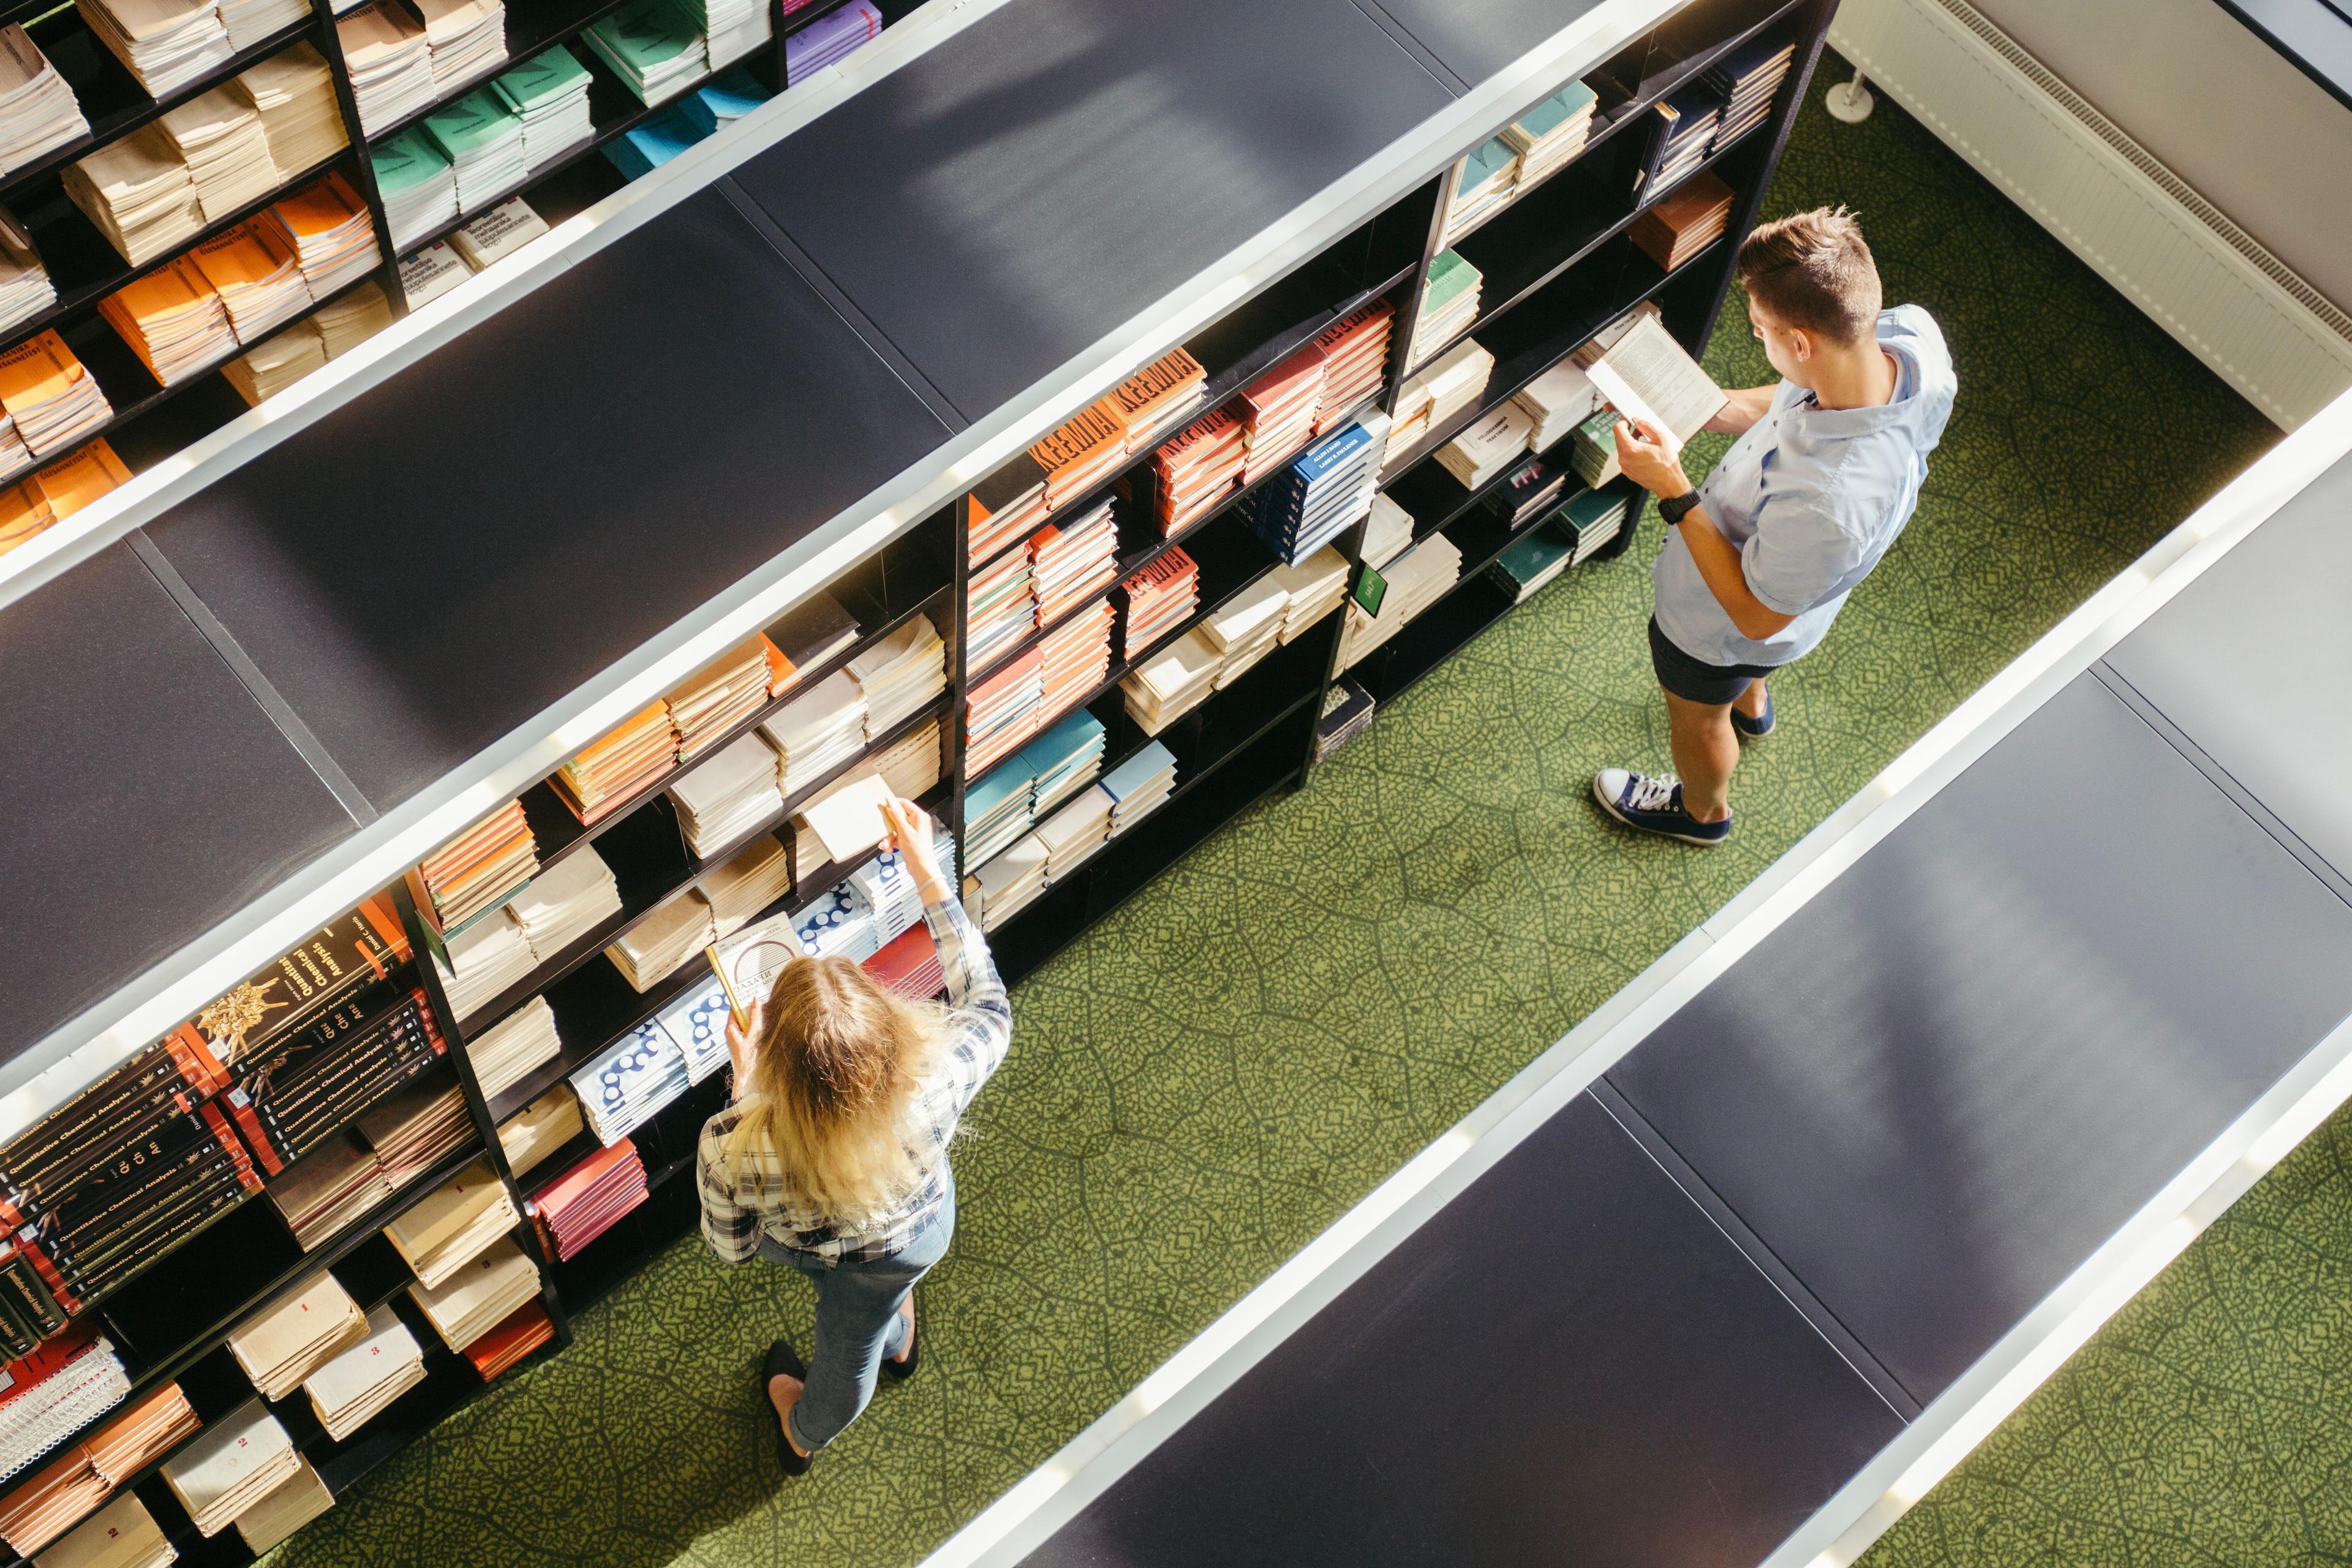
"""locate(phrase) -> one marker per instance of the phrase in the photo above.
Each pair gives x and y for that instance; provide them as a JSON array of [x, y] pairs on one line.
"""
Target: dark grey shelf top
[[151, 794], [999, 204], [1475, 38], [424, 569]]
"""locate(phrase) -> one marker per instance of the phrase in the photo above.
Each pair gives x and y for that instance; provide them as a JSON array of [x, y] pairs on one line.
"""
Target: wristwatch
[[1673, 509]]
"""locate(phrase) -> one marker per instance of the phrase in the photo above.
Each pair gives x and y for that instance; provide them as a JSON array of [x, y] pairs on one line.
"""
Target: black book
[[108, 1115], [107, 1195], [100, 1268], [287, 1106], [18, 1334], [1533, 486], [397, 1065], [27, 1292]]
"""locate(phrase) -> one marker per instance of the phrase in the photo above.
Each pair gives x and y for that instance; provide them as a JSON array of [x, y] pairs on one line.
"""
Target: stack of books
[[1171, 681], [1061, 761], [816, 732], [1197, 470], [1552, 133], [235, 1463], [418, 186], [350, 1390], [1387, 529], [1321, 494], [49, 399], [584, 1202], [1449, 303], [832, 39], [1347, 713], [529, 1136], [1008, 884], [1278, 412], [1075, 661], [886, 888], [493, 235], [1002, 711], [390, 61], [1684, 222], [612, 771], [276, 1518], [513, 1337], [837, 925], [845, 821], [511, 1048], [1080, 454], [911, 765], [653, 46], [1682, 128], [252, 269], [699, 1024], [1000, 607], [294, 93], [219, 137], [1430, 399], [999, 808], [1591, 520], [1417, 579], [901, 675], [1532, 488], [67, 1488], [1245, 627], [1355, 361], [250, 21], [262, 372], [452, 1224], [296, 1334], [1160, 598], [1487, 446], [1004, 506], [1155, 401], [549, 93], [416, 1130], [1557, 401], [1747, 79], [173, 321], [355, 318], [37, 109], [1069, 563], [164, 43], [478, 1296], [675, 930], [720, 697], [329, 232], [1314, 588], [466, 38], [909, 965], [1073, 833], [60, 491], [740, 788], [484, 959], [25, 288], [302, 1088], [1592, 452], [1529, 564], [479, 870], [630, 1082], [482, 139], [731, 28], [1483, 184], [139, 194], [813, 631], [567, 901], [55, 1388], [122, 1534], [1139, 786], [335, 1185], [755, 877]]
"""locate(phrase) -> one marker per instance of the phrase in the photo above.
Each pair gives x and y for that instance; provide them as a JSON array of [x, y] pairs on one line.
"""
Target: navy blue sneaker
[[1655, 804], [1753, 729]]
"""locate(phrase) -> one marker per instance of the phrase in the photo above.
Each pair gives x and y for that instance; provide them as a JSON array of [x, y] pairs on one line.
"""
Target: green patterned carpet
[[1223, 1067]]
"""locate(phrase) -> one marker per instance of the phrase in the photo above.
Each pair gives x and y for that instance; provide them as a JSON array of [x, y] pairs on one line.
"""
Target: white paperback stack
[[550, 91], [732, 28], [467, 37], [1138, 785], [507, 1051], [479, 1296], [345, 323], [294, 92], [390, 61], [1386, 530], [37, 109], [816, 733], [485, 958], [726, 796], [164, 43], [1172, 682], [900, 673], [233, 1464], [719, 696], [1417, 579], [651, 950], [499, 233], [296, 1335], [139, 194], [349, 1391], [540, 1128], [250, 21], [911, 765], [887, 888], [1008, 884], [25, 288], [1438, 393], [278, 1516], [837, 925], [1074, 831], [87, 1382], [757, 876], [452, 1224], [122, 1534], [220, 138], [644, 1071], [1487, 446], [564, 903], [1244, 628], [1557, 401], [1315, 586]]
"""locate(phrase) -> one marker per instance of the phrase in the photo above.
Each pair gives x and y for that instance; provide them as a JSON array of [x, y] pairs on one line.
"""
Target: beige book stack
[[818, 732], [651, 950], [1074, 833], [173, 321], [294, 1336], [452, 1224], [294, 92], [390, 62], [1244, 628], [122, 1534], [1008, 884], [1486, 445], [719, 696], [508, 1051], [37, 109], [277, 1517], [541, 1128], [473, 1301], [235, 1463], [250, 21], [139, 194], [25, 288], [566, 902], [353, 1388], [416, 1130], [911, 765], [1315, 586], [50, 399], [485, 959], [1387, 532], [734, 790], [263, 372], [467, 38], [164, 43], [326, 1189], [219, 137], [1172, 682], [345, 323], [757, 876], [900, 673], [1433, 396], [1417, 579], [253, 270]]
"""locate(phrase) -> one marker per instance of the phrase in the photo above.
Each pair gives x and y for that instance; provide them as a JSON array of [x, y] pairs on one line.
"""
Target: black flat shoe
[[784, 1361], [900, 1371]]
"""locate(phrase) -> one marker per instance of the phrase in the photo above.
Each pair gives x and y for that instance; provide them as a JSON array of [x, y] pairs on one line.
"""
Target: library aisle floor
[[1365, 960]]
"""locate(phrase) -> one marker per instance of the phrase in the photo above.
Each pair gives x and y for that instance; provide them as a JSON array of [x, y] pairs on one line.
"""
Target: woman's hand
[[910, 835], [742, 1049]]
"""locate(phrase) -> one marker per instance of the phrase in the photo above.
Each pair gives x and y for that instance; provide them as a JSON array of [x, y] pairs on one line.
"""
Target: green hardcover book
[[476, 120], [408, 160], [641, 38], [1548, 116], [542, 78], [1492, 158], [1449, 274], [1531, 561], [1592, 450], [1591, 520]]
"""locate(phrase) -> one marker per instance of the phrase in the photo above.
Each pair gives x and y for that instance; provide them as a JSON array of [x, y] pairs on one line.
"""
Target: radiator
[[2284, 346]]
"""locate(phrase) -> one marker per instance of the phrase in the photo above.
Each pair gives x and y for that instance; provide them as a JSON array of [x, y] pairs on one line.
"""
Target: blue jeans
[[858, 1323]]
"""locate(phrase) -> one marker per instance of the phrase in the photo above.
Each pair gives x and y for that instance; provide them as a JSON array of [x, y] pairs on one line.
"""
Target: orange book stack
[[608, 772], [721, 696], [1157, 399], [1074, 662], [478, 868], [1002, 711], [1279, 411], [1355, 359], [518, 1334], [1198, 470], [1160, 598], [173, 321], [1068, 565], [1080, 454], [75, 1483]]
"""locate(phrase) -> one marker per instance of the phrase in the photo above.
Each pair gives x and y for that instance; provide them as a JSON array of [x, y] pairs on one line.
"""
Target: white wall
[[2186, 80]]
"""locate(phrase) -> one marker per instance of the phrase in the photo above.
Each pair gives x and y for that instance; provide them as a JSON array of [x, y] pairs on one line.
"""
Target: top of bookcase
[[2313, 36]]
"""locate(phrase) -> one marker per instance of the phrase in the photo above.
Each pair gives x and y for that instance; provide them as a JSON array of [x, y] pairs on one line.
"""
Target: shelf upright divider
[[951, 734], [329, 41]]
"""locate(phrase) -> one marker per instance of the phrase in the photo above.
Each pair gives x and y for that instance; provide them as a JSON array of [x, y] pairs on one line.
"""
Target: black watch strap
[[1673, 509]]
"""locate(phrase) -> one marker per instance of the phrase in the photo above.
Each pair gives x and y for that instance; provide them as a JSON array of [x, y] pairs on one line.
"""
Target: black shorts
[[1695, 680]]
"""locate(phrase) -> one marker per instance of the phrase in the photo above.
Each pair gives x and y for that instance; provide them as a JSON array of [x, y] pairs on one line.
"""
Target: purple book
[[836, 37]]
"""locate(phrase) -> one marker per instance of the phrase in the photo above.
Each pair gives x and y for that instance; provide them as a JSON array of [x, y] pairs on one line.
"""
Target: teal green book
[[1449, 274], [641, 38], [1533, 561], [540, 80], [1590, 515], [1555, 111], [1492, 158], [476, 120], [406, 162]]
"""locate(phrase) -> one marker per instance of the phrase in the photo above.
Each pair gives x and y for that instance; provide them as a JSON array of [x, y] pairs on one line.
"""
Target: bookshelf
[[1559, 265]]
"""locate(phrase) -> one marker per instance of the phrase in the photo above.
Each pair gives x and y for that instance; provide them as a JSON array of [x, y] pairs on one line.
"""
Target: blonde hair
[[1814, 270], [840, 1061]]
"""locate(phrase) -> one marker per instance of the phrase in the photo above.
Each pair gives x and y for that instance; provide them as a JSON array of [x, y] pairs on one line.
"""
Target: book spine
[[39, 1276], [90, 1266], [251, 1133], [218, 1121], [136, 1253], [116, 1191], [398, 1040], [59, 1139]]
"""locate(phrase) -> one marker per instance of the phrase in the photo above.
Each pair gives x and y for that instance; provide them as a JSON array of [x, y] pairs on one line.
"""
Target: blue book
[[639, 152], [725, 98], [1137, 770]]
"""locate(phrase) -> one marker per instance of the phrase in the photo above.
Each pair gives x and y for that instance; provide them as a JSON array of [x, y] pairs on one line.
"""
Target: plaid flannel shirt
[[746, 1197]]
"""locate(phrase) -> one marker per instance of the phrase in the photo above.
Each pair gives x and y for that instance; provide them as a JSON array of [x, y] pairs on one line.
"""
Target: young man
[[1824, 475]]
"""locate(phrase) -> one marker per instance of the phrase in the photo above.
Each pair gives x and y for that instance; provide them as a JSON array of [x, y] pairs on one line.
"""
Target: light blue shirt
[[1810, 498]]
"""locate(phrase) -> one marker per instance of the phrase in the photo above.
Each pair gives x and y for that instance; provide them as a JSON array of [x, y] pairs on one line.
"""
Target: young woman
[[832, 1157]]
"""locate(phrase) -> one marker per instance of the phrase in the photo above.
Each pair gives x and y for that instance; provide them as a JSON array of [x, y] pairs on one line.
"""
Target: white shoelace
[[1651, 792]]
